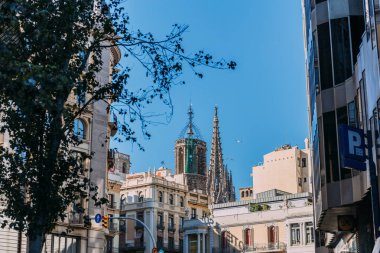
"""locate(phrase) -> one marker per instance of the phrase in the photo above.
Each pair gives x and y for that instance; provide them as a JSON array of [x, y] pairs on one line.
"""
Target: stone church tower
[[219, 183], [190, 156]]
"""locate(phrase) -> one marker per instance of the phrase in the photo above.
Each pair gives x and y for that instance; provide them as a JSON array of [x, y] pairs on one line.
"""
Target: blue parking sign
[[352, 148]]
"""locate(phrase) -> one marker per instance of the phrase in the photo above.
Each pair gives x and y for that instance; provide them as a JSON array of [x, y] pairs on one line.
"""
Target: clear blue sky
[[262, 103]]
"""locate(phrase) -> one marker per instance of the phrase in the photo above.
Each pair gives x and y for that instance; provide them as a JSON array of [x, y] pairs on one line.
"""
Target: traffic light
[[105, 221], [87, 221]]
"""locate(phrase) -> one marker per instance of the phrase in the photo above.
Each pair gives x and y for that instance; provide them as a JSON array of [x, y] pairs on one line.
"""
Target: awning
[[376, 249]]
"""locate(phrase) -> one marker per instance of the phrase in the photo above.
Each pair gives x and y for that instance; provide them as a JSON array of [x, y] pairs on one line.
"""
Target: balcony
[[266, 247], [172, 248], [138, 246], [194, 216], [75, 218], [171, 227], [160, 225], [112, 205]]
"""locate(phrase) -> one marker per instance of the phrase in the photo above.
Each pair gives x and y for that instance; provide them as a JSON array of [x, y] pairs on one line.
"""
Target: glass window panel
[[357, 30], [331, 150], [341, 49], [325, 68]]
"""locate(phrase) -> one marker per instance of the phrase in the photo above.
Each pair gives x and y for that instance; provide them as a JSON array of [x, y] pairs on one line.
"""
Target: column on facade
[[198, 243], [151, 227], [302, 233], [203, 243], [211, 239], [185, 244]]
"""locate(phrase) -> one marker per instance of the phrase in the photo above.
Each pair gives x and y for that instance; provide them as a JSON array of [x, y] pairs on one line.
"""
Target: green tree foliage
[[49, 51], [254, 207]]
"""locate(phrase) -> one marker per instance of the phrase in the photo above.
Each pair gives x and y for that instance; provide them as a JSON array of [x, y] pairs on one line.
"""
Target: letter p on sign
[[354, 143]]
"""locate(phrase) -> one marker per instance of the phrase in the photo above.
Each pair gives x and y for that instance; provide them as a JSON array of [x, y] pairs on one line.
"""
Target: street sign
[[98, 218], [352, 148]]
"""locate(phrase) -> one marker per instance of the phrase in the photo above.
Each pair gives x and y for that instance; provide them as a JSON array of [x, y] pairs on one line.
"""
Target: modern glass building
[[342, 74]]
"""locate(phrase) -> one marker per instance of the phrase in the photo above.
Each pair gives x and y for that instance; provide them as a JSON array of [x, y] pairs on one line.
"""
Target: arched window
[[272, 234], [80, 129], [181, 202], [248, 239], [242, 194], [141, 197], [160, 197], [171, 199]]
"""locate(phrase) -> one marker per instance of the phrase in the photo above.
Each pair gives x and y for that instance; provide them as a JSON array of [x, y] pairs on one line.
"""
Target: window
[[193, 213], [331, 149], [309, 232], [181, 202], [124, 167], [303, 162], [171, 221], [304, 179], [224, 239], [160, 197], [79, 129], [140, 216], [140, 197], [171, 199], [248, 237], [250, 193], [204, 214], [352, 114], [59, 243], [295, 234], [324, 50], [300, 182], [272, 234], [160, 242], [160, 219], [171, 242], [182, 220], [110, 201], [242, 194], [341, 49]]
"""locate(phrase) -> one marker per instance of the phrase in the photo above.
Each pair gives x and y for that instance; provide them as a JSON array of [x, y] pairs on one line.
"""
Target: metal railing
[[265, 246], [75, 218], [112, 205]]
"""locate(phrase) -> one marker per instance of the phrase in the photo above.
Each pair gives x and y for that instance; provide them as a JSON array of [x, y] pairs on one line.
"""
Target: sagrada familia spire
[[219, 180]]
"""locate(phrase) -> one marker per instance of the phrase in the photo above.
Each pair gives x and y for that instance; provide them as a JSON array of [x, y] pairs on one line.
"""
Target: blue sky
[[262, 103]]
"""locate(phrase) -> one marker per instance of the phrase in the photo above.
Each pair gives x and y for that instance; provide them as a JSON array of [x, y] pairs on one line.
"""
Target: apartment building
[[274, 221], [342, 80], [93, 127], [159, 199], [286, 169]]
